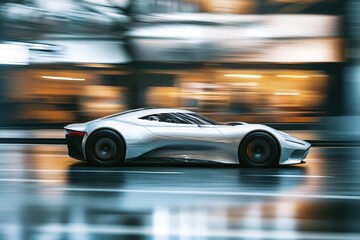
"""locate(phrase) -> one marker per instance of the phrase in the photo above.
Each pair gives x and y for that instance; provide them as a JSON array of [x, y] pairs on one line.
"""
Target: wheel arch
[[107, 128], [261, 131]]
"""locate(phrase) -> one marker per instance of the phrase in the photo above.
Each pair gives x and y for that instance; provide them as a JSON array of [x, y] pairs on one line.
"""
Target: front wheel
[[259, 149], [105, 148]]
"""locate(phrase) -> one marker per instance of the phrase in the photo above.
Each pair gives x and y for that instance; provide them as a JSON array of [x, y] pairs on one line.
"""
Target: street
[[119, 79], [47, 195]]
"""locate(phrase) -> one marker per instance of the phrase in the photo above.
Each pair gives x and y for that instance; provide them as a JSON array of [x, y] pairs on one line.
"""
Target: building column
[[352, 71], [3, 80], [347, 126]]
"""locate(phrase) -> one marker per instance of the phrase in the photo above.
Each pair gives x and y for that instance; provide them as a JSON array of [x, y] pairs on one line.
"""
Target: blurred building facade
[[247, 60]]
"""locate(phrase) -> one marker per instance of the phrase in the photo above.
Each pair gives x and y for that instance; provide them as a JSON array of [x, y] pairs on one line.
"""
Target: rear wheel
[[105, 148], [259, 149]]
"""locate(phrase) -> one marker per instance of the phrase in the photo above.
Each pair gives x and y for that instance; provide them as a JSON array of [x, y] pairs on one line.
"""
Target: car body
[[166, 133]]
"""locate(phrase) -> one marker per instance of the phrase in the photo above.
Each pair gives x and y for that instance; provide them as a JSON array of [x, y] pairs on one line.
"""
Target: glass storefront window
[[55, 96], [247, 95]]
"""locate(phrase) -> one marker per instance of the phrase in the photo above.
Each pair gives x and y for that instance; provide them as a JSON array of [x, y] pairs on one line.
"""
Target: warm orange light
[[292, 76], [243, 75], [286, 93], [63, 78]]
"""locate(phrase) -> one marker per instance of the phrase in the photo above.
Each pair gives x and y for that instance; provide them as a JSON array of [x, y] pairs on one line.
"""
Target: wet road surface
[[47, 195]]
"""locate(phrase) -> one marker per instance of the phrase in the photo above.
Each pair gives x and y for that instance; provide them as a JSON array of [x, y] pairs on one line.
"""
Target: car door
[[174, 129], [183, 139]]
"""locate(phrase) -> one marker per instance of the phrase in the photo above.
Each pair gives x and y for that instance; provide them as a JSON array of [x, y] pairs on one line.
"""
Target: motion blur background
[[292, 64], [272, 61]]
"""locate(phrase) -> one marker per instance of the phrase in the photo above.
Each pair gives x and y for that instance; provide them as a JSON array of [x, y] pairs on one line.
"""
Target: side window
[[173, 118], [165, 117], [188, 118], [203, 119], [153, 117]]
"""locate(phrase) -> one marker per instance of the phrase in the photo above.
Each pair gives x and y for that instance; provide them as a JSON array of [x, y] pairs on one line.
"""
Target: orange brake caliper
[[248, 151]]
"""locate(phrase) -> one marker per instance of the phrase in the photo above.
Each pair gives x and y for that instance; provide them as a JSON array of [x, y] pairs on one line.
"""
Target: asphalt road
[[47, 195]]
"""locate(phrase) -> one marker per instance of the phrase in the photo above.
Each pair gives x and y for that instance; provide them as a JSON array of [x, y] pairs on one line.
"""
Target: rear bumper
[[74, 144]]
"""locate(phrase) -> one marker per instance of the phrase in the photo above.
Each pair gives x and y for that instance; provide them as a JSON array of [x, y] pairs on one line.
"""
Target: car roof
[[140, 112]]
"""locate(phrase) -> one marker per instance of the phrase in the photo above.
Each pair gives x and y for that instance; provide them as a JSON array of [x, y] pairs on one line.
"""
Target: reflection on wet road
[[47, 195]]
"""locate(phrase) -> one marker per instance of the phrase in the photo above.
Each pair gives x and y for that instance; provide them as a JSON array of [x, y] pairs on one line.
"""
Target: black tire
[[105, 148], [259, 149]]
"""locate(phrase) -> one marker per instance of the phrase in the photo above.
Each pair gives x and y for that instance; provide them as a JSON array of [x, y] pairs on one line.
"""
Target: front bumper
[[293, 152], [74, 144]]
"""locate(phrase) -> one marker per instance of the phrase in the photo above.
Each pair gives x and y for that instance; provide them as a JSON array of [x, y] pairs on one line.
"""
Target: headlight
[[284, 134], [289, 140]]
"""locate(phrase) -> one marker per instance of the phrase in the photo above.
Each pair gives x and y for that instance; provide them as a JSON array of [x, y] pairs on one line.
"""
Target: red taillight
[[76, 133]]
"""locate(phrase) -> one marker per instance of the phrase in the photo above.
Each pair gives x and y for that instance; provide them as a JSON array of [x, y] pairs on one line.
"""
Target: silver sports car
[[182, 135]]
